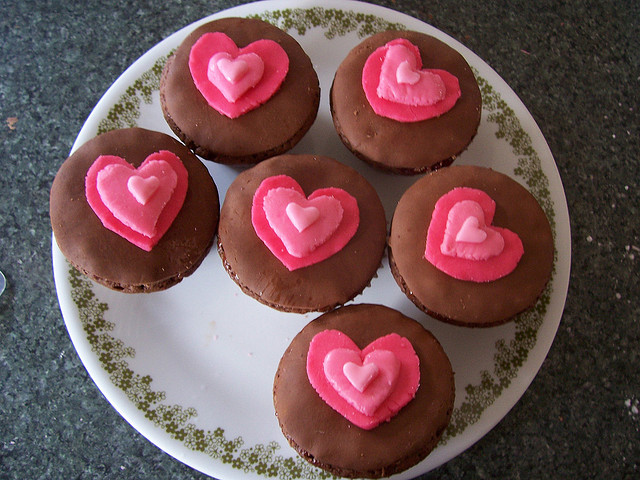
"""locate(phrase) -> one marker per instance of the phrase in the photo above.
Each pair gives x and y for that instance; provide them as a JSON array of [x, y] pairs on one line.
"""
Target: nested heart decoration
[[299, 230], [463, 243], [367, 386], [397, 86], [236, 80], [139, 204]]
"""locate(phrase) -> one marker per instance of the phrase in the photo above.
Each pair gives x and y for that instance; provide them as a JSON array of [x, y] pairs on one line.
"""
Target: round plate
[[189, 367]]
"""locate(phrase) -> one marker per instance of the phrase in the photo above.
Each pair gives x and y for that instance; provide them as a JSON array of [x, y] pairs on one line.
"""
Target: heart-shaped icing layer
[[363, 382], [332, 354], [235, 80], [288, 210], [303, 217], [402, 81], [137, 197], [139, 204], [462, 242], [397, 87], [359, 376], [143, 188], [468, 236], [234, 76], [283, 218]]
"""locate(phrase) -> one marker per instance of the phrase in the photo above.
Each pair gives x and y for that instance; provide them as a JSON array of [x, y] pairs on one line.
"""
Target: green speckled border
[[175, 420], [126, 112]]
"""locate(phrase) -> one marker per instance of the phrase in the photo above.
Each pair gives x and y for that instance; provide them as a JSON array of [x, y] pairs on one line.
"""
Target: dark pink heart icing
[[139, 204], [463, 243], [397, 87], [244, 79], [383, 396], [337, 221]]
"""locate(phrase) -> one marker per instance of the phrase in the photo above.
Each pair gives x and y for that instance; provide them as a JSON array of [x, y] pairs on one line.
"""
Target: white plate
[[192, 368]]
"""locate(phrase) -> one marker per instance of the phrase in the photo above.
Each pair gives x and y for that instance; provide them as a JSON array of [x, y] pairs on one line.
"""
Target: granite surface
[[575, 65]]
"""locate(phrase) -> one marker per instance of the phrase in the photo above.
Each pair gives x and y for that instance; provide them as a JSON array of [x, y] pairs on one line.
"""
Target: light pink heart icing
[[405, 73], [303, 217], [360, 376], [143, 188], [383, 395], [363, 382], [402, 81], [114, 184], [468, 236], [138, 204], [471, 231], [463, 243], [249, 90], [278, 205], [235, 76], [279, 196], [397, 87]]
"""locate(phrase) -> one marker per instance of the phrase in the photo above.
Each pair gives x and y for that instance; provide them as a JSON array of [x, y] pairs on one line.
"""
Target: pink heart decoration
[[462, 243], [290, 215], [387, 370], [303, 217], [299, 230], [143, 188], [402, 81], [234, 76], [467, 235], [235, 80], [139, 204], [471, 231], [405, 73], [363, 382], [360, 376], [397, 87]]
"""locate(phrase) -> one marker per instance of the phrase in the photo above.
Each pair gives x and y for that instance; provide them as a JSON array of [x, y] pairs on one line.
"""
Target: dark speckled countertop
[[575, 65]]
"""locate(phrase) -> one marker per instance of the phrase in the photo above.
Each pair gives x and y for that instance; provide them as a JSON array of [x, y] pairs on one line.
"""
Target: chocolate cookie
[[474, 268], [297, 269], [323, 436], [285, 110], [434, 128], [84, 200]]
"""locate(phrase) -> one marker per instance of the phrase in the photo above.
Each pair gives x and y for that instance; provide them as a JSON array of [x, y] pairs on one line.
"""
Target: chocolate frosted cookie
[[301, 233], [364, 392], [470, 246], [134, 210], [239, 90], [405, 102]]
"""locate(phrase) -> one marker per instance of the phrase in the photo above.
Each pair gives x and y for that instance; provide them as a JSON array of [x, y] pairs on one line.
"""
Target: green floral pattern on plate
[[176, 420]]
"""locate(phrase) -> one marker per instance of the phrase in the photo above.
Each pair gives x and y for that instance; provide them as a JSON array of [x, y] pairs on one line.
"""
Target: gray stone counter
[[575, 65]]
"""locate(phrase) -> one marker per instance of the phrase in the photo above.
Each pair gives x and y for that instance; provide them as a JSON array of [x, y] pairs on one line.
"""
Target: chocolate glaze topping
[[326, 438], [270, 129], [407, 148], [464, 302], [105, 256], [318, 287]]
